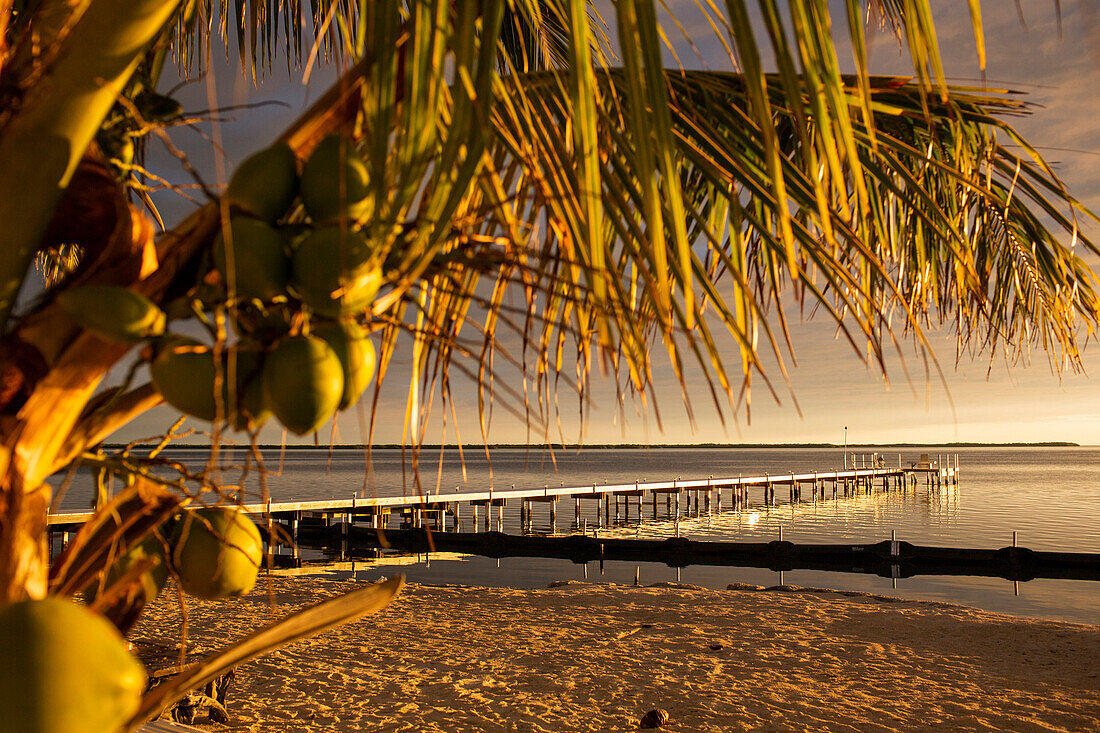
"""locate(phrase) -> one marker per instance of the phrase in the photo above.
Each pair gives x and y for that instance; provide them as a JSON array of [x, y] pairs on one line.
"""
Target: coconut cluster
[[297, 274], [57, 650]]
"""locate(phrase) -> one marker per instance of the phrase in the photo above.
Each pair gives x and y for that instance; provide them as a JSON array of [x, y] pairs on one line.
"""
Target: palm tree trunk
[[59, 115]]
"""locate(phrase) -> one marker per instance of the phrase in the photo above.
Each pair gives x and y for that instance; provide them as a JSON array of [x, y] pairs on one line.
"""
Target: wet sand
[[582, 657]]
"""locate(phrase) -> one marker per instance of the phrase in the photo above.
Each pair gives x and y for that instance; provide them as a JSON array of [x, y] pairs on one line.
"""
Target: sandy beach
[[582, 657]]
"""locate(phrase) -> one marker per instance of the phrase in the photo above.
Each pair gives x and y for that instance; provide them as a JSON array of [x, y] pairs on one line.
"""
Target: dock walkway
[[614, 502]]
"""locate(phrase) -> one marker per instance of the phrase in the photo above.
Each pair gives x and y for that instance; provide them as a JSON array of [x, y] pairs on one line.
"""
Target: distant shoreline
[[631, 446]]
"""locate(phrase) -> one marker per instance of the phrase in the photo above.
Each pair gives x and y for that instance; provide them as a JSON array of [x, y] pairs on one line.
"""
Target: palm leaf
[[301, 625], [610, 196]]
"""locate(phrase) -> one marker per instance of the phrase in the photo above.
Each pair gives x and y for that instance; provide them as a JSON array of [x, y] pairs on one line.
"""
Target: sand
[[583, 657]]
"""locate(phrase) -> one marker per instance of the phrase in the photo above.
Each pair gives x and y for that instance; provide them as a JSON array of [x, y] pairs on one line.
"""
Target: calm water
[[1047, 495]]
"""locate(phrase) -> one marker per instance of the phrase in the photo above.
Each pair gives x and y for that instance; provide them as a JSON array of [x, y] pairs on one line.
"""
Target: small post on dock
[[294, 531], [269, 524]]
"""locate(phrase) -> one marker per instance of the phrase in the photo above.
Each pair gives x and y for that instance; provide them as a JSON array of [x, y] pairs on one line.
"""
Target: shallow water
[[1045, 494]]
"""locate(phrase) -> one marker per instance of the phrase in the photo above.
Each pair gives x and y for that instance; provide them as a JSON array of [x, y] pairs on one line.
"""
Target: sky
[[832, 394]]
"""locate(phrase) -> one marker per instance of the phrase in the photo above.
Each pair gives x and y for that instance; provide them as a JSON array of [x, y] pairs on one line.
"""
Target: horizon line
[[631, 446]]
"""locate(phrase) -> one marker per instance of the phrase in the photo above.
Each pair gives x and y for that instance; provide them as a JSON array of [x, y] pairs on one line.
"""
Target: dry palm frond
[[934, 235], [58, 263]]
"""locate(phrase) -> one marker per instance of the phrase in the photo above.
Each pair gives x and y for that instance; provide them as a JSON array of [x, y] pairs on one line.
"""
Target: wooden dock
[[614, 503]]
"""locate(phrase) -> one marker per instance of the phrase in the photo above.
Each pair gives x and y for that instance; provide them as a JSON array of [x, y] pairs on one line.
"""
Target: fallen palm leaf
[[301, 625]]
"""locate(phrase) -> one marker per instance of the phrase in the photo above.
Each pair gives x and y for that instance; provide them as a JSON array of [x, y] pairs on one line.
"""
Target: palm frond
[[634, 204], [533, 38], [631, 205]]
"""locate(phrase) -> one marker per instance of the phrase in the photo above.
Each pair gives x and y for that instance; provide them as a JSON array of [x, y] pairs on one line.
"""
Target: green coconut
[[183, 372], [335, 272], [265, 184], [114, 313], [303, 383], [64, 669], [335, 182], [158, 107], [216, 552], [356, 353], [260, 265], [152, 581]]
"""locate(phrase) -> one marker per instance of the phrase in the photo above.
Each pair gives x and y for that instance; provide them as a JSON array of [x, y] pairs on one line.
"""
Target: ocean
[[1044, 494]]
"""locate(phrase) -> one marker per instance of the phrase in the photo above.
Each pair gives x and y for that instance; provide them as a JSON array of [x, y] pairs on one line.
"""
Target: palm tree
[[518, 147]]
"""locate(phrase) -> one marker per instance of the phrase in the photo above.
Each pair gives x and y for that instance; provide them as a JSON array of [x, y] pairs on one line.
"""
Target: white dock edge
[[388, 503]]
